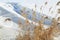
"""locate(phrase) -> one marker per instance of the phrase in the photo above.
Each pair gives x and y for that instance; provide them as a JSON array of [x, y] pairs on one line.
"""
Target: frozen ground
[[8, 33]]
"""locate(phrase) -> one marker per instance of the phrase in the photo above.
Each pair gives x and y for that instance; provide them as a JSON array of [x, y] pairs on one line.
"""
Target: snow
[[6, 23], [57, 38], [9, 29], [12, 11], [8, 34]]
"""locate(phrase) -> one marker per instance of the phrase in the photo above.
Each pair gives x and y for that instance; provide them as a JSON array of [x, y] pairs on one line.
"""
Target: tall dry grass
[[39, 32]]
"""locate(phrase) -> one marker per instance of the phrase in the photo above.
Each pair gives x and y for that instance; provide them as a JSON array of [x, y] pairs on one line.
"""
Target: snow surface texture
[[8, 29]]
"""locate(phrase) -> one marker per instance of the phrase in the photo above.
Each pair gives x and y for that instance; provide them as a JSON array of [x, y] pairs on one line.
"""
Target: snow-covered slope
[[13, 10], [7, 8], [8, 29], [7, 23]]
